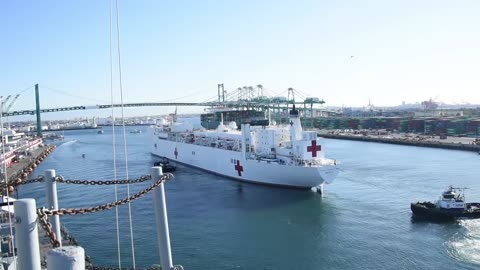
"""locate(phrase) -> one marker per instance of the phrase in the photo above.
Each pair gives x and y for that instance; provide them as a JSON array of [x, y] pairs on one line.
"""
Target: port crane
[[5, 107]]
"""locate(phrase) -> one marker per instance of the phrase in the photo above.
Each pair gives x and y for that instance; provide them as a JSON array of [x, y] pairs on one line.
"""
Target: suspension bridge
[[240, 98]]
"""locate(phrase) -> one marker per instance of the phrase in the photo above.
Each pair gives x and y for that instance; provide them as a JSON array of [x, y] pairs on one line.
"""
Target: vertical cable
[[124, 134], [113, 138], [6, 182]]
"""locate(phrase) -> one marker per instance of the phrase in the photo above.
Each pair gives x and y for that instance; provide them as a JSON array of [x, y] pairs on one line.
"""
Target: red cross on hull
[[239, 168], [314, 148]]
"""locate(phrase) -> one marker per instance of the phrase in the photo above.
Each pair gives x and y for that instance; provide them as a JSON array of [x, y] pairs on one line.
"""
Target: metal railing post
[[26, 235], [66, 258], [52, 202], [162, 221]]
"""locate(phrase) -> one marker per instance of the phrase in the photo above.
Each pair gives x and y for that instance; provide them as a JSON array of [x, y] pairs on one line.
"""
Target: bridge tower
[[37, 111], [221, 93]]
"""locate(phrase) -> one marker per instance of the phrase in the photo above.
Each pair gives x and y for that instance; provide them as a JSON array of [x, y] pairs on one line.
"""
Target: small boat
[[136, 131], [450, 206], [166, 166], [100, 132]]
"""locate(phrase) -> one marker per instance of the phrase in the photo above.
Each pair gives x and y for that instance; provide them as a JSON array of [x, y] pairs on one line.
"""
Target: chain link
[[67, 236], [18, 181], [60, 179], [47, 227], [92, 267], [43, 213]]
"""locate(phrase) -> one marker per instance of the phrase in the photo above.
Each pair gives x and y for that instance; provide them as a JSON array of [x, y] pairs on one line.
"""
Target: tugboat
[[166, 166], [449, 206]]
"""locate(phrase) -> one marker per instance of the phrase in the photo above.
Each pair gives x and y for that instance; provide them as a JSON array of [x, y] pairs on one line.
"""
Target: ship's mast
[[295, 125]]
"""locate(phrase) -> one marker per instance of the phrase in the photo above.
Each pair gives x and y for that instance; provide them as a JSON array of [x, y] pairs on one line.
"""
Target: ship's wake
[[465, 244], [67, 143]]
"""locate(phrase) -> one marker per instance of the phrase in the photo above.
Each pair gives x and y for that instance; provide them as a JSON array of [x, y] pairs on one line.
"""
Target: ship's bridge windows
[[448, 196]]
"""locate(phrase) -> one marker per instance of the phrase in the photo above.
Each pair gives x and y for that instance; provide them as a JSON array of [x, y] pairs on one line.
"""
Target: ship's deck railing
[[208, 142]]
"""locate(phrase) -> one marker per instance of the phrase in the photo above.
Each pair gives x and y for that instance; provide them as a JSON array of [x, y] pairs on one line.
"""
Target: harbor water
[[363, 221]]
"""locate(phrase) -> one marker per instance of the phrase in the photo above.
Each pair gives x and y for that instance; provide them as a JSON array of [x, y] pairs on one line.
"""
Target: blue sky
[[180, 50]]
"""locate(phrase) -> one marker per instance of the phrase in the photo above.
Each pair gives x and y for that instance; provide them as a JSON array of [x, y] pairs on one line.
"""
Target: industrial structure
[[253, 104]]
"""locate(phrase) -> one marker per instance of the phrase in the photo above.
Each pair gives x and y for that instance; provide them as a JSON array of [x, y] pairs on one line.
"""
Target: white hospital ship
[[274, 155]]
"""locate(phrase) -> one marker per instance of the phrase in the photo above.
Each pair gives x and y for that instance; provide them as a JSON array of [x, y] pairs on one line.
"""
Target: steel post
[[26, 235], [162, 221], [66, 258], [52, 202]]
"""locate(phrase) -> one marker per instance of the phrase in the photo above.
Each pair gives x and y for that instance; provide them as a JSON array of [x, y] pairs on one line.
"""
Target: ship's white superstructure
[[277, 155]]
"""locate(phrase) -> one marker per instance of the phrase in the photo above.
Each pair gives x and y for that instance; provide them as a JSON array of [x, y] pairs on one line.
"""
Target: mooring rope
[[114, 145], [124, 132]]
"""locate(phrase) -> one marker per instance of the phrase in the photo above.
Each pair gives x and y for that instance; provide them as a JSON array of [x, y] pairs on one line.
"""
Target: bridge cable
[[6, 184], [124, 133], [71, 95], [113, 138], [28, 88]]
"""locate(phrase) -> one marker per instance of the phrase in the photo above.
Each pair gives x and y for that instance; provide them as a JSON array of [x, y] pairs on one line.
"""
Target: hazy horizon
[[348, 53]]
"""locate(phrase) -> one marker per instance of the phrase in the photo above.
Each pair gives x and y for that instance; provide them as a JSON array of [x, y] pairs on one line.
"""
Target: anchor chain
[[43, 213], [60, 179], [92, 267], [18, 181], [47, 227]]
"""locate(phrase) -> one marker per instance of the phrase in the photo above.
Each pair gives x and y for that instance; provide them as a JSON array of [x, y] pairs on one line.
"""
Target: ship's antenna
[[119, 258], [6, 183], [124, 133]]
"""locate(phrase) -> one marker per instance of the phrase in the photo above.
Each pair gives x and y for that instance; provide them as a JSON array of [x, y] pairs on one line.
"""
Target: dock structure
[[458, 144], [22, 168]]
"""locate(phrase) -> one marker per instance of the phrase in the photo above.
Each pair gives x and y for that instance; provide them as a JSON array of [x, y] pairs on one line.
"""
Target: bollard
[[26, 235], [52, 202], [66, 258], [162, 221]]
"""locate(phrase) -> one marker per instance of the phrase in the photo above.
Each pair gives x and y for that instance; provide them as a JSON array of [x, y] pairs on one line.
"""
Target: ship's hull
[[232, 164], [428, 210]]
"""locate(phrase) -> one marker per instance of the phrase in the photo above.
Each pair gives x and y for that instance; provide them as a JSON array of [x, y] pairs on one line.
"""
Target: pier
[[22, 168], [453, 143]]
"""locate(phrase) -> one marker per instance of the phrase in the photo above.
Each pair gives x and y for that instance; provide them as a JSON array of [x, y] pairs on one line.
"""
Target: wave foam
[[465, 244]]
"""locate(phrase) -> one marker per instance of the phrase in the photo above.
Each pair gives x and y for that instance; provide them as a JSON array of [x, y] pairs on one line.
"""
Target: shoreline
[[21, 170], [404, 141]]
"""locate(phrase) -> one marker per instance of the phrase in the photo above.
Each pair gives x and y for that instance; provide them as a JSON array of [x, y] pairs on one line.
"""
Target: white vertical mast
[[295, 125]]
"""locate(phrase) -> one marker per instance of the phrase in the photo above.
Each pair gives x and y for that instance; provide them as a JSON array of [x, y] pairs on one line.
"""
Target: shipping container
[[404, 125]]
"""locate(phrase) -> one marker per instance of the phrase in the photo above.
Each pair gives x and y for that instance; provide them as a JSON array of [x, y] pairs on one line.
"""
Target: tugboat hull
[[428, 210]]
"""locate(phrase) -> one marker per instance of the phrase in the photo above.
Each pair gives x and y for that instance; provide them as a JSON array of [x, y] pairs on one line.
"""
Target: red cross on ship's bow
[[239, 168], [314, 148]]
